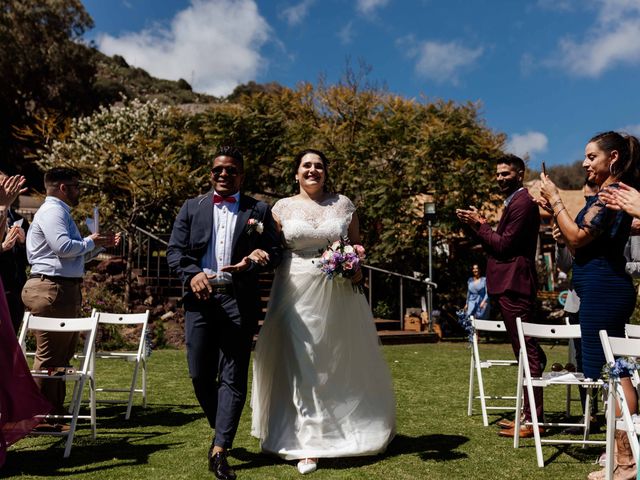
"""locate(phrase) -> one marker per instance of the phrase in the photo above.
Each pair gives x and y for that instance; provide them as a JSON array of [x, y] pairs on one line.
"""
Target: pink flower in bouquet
[[341, 258]]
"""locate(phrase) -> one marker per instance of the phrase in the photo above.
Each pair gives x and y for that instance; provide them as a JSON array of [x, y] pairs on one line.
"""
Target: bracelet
[[555, 215], [556, 202]]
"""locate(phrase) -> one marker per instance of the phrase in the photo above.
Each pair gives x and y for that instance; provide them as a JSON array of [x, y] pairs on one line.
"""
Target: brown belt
[[56, 278]]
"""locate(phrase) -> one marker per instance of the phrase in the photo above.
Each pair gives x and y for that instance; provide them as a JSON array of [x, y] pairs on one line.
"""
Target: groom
[[219, 243]]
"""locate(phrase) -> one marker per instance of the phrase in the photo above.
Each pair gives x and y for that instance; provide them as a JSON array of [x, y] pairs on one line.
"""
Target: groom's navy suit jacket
[[191, 236]]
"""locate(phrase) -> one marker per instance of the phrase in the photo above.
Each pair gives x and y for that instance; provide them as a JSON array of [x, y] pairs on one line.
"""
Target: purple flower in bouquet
[[342, 259]]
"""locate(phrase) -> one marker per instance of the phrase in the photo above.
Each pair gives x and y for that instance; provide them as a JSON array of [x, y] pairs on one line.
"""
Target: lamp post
[[430, 216]]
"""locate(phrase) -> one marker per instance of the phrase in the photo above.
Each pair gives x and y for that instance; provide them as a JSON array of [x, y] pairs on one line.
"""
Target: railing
[[429, 285], [151, 250]]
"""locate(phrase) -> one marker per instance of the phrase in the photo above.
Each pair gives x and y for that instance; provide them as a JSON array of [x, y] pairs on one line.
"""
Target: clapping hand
[[11, 188], [470, 217], [622, 198], [15, 234]]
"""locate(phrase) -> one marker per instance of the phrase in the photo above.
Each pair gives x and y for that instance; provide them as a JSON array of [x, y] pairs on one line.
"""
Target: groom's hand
[[241, 266], [258, 256], [200, 285]]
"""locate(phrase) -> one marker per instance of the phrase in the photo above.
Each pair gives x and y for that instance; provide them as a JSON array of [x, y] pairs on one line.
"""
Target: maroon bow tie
[[219, 198]]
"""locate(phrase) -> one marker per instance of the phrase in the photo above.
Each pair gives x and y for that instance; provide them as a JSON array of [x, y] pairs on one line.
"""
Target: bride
[[320, 385]]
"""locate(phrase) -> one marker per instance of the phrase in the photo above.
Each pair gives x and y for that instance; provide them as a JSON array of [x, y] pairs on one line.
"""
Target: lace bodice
[[308, 226]]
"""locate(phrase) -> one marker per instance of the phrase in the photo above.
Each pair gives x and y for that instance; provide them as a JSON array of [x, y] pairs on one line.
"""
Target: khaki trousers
[[57, 298]]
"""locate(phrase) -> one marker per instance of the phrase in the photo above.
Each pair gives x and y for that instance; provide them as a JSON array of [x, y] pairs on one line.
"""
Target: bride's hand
[[259, 256]]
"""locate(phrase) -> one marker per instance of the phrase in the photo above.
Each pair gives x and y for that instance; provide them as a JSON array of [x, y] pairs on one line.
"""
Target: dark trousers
[[58, 299], [513, 306], [218, 353], [577, 345]]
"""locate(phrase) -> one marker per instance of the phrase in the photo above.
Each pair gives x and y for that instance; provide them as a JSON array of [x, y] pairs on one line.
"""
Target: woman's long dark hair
[[627, 168]]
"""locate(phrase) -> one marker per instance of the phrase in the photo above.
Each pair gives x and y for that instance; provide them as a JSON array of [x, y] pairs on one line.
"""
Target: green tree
[[43, 65], [386, 153], [138, 162]]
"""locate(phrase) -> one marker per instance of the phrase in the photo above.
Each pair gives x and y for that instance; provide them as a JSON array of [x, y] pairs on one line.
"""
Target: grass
[[436, 439]]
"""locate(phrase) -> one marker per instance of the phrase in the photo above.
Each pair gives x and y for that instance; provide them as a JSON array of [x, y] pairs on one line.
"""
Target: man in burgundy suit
[[511, 268]]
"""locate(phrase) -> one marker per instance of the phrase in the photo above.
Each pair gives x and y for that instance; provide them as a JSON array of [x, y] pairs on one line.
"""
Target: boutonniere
[[254, 225]]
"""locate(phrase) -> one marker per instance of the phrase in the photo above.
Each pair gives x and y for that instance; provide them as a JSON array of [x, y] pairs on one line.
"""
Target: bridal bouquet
[[341, 258]]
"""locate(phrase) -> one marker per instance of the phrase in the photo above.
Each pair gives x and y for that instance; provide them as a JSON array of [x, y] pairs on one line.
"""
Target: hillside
[[115, 77]]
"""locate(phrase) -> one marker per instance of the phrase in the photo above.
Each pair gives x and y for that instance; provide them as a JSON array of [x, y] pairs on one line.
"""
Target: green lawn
[[436, 440]]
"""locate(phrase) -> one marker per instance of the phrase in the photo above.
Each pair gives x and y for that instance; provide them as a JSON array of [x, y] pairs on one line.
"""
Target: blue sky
[[548, 73]]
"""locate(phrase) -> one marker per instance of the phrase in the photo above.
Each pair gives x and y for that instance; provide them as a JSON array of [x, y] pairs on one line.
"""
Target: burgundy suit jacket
[[511, 266]]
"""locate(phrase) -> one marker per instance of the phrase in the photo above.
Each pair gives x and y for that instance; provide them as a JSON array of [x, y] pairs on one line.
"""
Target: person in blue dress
[[477, 296], [597, 239]]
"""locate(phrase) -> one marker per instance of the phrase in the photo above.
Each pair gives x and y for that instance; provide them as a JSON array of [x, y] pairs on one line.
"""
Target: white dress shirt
[[54, 244], [219, 252]]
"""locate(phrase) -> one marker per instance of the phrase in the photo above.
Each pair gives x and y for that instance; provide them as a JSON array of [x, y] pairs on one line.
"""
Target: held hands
[[622, 198], [258, 256], [470, 217]]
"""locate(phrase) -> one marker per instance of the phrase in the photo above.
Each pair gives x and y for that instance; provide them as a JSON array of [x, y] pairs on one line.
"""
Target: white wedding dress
[[320, 385]]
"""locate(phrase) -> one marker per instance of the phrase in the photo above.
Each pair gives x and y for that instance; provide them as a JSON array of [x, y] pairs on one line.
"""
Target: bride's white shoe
[[307, 465]]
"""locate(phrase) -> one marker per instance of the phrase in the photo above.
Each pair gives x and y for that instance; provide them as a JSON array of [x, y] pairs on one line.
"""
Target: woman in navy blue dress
[[597, 238]]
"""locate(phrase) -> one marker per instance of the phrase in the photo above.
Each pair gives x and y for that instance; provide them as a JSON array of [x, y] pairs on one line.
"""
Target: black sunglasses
[[231, 171]]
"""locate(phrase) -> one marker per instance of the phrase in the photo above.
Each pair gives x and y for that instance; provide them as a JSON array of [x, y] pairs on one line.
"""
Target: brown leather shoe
[[525, 432], [45, 427], [504, 423]]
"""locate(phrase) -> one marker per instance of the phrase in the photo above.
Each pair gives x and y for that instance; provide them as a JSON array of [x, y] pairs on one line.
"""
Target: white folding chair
[[633, 331], [80, 376], [572, 358], [137, 357], [477, 365], [553, 332], [621, 347]]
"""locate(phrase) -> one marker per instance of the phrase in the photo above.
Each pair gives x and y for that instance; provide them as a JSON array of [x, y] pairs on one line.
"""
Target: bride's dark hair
[[325, 162]]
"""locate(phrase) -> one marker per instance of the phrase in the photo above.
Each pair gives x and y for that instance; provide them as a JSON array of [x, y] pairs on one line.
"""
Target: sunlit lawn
[[436, 439]]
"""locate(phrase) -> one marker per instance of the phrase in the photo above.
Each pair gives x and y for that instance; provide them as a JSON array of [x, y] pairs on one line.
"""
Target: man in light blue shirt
[[56, 252]]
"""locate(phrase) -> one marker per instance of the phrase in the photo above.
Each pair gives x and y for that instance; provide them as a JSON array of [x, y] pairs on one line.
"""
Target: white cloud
[[611, 41], [559, 5], [345, 34], [213, 44], [632, 129], [527, 144], [440, 61], [296, 13], [368, 7]]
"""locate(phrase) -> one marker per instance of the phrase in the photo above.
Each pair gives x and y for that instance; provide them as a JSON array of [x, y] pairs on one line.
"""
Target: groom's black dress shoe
[[220, 467]]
